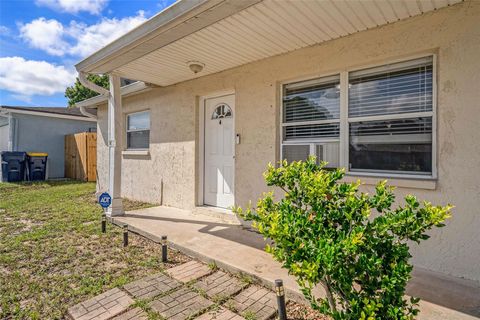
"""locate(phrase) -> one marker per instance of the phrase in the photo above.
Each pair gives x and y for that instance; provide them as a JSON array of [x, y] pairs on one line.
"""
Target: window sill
[[133, 152], [427, 183]]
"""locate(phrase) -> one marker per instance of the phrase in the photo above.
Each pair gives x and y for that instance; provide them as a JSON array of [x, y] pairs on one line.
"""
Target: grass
[[53, 254]]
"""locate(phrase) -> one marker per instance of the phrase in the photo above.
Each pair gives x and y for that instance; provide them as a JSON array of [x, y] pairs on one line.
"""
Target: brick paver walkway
[[173, 300], [134, 314], [189, 271], [256, 300], [151, 286], [220, 314], [102, 307], [180, 304], [219, 285]]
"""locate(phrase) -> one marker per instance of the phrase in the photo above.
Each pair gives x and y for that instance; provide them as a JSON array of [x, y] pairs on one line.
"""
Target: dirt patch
[[297, 311]]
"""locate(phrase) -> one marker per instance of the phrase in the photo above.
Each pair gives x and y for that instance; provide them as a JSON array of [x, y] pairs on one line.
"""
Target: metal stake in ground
[[125, 235], [164, 249], [280, 291], [105, 200], [104, 222]]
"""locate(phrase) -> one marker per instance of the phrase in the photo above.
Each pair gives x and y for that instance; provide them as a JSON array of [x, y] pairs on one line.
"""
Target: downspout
[[87, 114], [94, 87], [114, 130]]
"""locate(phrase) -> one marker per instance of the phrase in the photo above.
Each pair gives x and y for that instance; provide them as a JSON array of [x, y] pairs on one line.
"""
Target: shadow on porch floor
[[232, 247]]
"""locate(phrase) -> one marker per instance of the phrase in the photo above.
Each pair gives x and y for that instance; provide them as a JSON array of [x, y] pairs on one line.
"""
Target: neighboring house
[[39, 129], [385, 89]]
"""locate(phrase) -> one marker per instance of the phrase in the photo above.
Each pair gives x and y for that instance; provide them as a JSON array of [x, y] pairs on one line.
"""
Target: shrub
[[323, 231]]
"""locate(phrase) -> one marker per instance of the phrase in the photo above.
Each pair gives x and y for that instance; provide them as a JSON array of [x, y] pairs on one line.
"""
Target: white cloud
[[4, 31], [77, 39], [26, 78], [46, 35], [74, 6], [93, 37]]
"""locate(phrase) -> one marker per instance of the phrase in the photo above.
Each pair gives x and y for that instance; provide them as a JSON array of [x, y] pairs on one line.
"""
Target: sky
[[42, 40]]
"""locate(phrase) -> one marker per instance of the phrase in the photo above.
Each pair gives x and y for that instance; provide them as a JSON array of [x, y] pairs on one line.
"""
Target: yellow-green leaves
[[323, 233]]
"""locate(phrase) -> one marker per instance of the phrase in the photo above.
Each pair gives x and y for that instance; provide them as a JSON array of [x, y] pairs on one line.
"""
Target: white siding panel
[[356, 20], [387, 11], [413, 7], [440, 3], [362, 14], [267, 29], [327, 29], [427, 5], [400, 9]]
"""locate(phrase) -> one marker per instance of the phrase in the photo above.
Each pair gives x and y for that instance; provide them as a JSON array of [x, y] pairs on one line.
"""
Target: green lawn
[[53, 255]]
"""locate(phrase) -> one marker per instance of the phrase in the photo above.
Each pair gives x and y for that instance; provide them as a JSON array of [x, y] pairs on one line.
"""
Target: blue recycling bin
[[13, 166], [36, 166]]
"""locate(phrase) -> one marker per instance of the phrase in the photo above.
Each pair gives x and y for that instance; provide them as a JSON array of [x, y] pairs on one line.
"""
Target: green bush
[[353, 244]]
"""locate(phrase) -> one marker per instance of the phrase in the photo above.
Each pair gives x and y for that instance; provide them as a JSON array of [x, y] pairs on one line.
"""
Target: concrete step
[[223, 215]]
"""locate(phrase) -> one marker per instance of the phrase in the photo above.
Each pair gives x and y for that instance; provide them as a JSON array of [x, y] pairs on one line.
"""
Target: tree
[[325, 232], [78, 92]]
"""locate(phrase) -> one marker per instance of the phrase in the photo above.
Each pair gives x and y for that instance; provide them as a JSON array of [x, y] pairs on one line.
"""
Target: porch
[[212, 235]]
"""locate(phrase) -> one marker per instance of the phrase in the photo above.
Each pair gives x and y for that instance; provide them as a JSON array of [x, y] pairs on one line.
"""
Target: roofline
[[6, 110], [175, 22], [174, 14], [131, 89]]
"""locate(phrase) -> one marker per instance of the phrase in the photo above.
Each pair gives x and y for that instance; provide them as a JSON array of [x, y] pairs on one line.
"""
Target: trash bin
[[36, 166], [13, 166]]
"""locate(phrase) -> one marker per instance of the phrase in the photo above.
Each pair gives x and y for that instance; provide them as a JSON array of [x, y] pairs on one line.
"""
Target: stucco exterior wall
[[47, 134], [170, 173]]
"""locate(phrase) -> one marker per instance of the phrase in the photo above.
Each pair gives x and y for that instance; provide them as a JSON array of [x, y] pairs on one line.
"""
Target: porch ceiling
[[257, 30]]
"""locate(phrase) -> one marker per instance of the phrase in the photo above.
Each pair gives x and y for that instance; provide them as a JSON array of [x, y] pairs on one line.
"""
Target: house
[[386, 89], [42, 129]]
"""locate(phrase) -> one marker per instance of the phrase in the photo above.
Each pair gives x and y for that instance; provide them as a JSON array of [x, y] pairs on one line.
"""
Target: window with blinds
[[394, 89], [311, 113], [395, 105], [138, 130], [387, 118]]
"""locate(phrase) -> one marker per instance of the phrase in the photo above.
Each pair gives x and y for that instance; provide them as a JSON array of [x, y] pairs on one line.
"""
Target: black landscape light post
[[104, 223], [280, 291], [164, 249], [125, 235]]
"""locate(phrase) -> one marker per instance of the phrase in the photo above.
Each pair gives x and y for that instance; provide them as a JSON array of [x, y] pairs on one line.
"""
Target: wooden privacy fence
[[81, 156]]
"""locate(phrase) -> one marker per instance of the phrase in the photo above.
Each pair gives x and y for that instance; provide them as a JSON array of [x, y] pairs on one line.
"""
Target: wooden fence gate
[[81, 156]]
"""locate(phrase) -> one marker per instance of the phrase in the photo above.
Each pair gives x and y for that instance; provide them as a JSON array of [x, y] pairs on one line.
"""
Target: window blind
[[397, 88], [392, 127], [328, 130], [312, 100]]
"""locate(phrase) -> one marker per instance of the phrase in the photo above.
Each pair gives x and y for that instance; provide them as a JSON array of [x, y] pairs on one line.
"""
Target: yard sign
[[105, 200]]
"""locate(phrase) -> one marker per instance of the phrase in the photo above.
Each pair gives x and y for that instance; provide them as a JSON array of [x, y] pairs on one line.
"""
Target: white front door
[[219, 151]]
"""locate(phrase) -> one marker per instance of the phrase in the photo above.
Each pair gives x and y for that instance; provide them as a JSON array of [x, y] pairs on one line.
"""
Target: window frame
[[345, 120], [137, 130], [311, 142]]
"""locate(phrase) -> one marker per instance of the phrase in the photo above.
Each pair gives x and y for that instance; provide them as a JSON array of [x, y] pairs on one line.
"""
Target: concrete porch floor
[[218, 237]]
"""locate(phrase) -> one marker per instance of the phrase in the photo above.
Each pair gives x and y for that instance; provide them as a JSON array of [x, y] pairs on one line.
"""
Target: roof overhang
[[224, 34], [5, 111], [173, 23], [125, 91]]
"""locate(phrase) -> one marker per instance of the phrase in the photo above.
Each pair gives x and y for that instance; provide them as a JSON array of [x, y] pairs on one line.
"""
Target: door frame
[[201, 141]]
